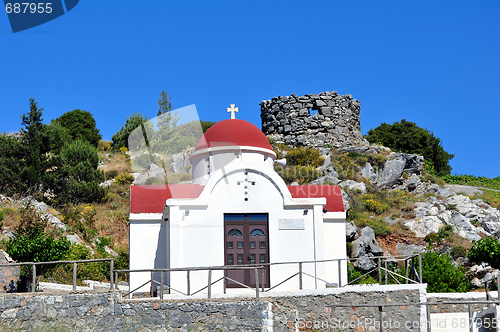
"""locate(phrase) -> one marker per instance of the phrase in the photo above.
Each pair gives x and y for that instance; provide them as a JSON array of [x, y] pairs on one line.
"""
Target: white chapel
[[236, 211]]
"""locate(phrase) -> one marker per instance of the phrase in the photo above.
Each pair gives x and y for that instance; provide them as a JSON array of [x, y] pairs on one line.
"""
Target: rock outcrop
[[365, 248]]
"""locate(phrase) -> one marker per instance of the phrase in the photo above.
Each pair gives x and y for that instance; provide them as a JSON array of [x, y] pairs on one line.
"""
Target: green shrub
[[111, 174], [407, 137], [31, 243], [377, 160], [431, 238], [486, 250], [445, 232], [353, 274], [92, 271], [380, 226], [374, 203], [349, 249], [301, 174], [144, 161], [458, 251], [105, 145], [348, 165], [441, 275], [124, 178], [304, 157], [81, 126]]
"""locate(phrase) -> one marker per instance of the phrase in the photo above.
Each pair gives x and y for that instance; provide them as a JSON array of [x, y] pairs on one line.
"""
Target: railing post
[[256, 283], [262, 278], [116, 280], [385, 271], [33, 280], [300, 275], [162, 275], [188, 283], [379, 272], [428, 315], [224, 281], [471, 325], [74, 276], [420, 277], [151, 292], [380, 317], [209, 283], [340, 272], [498, 288], [111, 268], [406, 270]]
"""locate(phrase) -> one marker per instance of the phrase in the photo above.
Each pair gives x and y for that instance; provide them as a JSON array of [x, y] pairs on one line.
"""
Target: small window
[[262, 245], [257, 232], [230, 259], [235, 232], [230, 244], [240, 245], [262, 258], [240, 259], [252, 244], [252, 257]]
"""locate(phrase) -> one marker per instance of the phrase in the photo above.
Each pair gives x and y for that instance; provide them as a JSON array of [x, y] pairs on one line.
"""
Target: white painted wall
[[196, 233]]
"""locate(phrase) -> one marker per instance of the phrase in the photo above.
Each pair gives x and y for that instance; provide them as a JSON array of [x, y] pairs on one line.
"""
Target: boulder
[[365, 263], [423, 226], [462, 226], [351, 231], [55, 222], [366, 244], [391, 174], [409, 249], [74, 238], [346, 199], [110, 251], [353, 185], [180, 162]]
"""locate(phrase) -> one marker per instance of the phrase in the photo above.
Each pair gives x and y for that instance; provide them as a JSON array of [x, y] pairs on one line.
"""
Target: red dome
[[233, 132]]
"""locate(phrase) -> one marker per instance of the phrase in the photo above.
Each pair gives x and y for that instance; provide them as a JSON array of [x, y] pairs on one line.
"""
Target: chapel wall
[[313, 120]]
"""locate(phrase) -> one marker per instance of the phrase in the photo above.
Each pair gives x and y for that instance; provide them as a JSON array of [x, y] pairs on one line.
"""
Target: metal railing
[[382, 267], [75, 267]]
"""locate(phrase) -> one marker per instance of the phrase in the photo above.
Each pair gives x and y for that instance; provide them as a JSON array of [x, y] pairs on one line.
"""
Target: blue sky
[[435, 63]]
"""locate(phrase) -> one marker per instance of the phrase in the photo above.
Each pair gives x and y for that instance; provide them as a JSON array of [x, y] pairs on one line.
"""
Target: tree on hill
[[120, 138], [76, 177], [164, 104], [34, 152], [11, 165], [406, 136], [81, 125]]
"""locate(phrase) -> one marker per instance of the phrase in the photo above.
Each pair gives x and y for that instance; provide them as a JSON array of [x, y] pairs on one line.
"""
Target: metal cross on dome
[[232, 109]]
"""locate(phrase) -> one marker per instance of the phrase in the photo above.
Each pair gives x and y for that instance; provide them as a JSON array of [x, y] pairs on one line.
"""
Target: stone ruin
[[313, 120]]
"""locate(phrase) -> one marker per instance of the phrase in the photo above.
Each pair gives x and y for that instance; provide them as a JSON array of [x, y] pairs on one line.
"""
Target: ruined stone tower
[[313, 120]]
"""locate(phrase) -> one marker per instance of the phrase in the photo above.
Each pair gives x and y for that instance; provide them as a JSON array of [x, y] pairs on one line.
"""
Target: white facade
[[191, 231]]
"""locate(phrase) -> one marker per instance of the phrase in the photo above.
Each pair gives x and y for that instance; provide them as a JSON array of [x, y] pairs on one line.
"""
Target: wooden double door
[[246, 243]]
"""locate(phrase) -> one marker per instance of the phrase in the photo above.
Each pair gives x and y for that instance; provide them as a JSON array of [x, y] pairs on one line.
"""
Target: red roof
[[151, 199], [333, 195], [233, 132]]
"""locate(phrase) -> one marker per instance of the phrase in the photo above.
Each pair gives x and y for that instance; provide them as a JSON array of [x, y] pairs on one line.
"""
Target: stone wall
[[313, 120], [305, 310]]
